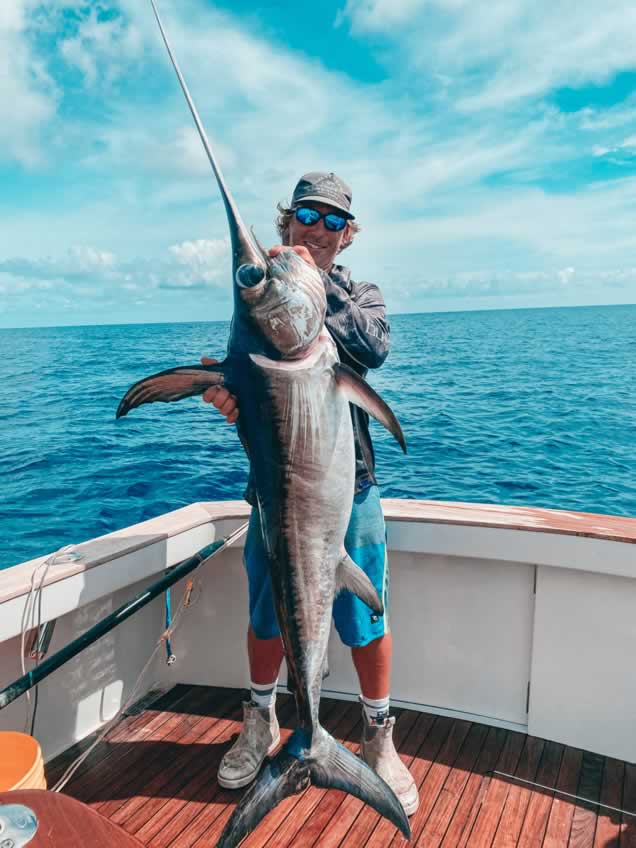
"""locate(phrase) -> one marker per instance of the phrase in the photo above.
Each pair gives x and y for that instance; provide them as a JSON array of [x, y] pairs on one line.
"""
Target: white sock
[[263, 694], [375, 710]]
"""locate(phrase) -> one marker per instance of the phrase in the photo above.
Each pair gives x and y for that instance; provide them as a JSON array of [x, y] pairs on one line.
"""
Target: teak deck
[[155, 776]]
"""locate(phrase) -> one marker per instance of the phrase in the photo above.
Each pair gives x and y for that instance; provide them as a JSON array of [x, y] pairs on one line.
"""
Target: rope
[[33, 601], [184, 604]]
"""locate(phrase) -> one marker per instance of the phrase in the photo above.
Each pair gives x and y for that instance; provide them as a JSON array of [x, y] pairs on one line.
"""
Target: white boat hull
[[510, 617]]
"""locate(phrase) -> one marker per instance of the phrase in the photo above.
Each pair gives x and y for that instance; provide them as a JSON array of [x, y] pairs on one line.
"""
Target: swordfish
[[295, 426]]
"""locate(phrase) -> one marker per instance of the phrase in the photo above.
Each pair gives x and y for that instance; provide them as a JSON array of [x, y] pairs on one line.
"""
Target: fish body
[[295, 425], [303, 474]]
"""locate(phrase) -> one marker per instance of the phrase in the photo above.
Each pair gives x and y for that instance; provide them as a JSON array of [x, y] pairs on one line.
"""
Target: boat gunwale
[[15, 581]]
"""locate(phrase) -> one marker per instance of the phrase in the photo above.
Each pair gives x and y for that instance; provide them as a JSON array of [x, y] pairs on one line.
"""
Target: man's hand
[[300, 249], [220, 397]]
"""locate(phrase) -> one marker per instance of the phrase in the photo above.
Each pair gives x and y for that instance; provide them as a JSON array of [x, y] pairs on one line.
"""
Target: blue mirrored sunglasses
[[309, 217]]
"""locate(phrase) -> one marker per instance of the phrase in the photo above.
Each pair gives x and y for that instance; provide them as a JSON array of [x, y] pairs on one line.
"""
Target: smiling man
[[318, 225]]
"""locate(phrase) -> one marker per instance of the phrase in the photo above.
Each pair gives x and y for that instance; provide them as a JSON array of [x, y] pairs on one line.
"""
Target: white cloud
[[513, 282], [95, 42], [379, 15], [201, 261], [565, 276], [511, 49], [89, 272], [99, 39], [437, 191], [28, 95]]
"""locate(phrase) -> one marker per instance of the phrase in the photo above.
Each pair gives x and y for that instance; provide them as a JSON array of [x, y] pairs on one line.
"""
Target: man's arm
[[357, 321]]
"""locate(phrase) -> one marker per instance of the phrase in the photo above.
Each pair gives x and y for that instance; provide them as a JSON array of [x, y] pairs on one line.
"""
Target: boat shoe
[[258, 738], [378, 751]]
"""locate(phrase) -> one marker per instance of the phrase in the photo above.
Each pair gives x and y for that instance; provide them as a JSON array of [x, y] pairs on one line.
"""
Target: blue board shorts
[[365, 542]]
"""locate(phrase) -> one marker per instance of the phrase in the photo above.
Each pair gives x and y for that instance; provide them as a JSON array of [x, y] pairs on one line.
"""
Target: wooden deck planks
[[434, 781], [584, 818], [127, 729], [155, 775], [179, 775], [628, 823], [537, 812], [108, 775], [516, 804], [184, 818], [494, 793], [211, 815], [466, 810], [608, 823], [163, 761], [443, 811]]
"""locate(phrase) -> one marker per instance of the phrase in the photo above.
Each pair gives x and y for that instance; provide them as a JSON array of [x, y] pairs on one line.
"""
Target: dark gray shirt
[[356, 318]]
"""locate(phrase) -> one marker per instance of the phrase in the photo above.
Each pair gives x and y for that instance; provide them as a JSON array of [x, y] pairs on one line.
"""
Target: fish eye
[[248, 276]]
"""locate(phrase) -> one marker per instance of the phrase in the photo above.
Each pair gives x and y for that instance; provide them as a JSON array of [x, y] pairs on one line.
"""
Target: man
[[318, 225]]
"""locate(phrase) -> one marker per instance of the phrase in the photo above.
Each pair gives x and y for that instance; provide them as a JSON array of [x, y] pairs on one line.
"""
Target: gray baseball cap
[[324, 187]]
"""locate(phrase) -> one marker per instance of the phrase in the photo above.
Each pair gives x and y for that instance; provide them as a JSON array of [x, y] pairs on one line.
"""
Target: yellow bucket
[[21, 763]]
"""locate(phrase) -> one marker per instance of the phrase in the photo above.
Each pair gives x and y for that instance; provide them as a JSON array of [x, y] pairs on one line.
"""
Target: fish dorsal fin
[[358, 391], [350, 576]]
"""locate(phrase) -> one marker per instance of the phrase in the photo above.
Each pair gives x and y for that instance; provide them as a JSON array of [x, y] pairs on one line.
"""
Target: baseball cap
[[324, 187]]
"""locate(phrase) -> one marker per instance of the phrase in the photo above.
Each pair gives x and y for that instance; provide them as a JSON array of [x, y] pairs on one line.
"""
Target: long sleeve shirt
[[356, 318]]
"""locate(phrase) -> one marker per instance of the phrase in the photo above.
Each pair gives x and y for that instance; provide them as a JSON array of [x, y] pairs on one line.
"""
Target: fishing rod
[[48, 666]]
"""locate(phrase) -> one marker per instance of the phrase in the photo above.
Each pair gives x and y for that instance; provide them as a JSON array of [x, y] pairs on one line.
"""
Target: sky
[[490, 146]]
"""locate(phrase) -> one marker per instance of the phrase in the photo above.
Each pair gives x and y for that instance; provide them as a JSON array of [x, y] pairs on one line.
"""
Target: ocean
[[523, 407]]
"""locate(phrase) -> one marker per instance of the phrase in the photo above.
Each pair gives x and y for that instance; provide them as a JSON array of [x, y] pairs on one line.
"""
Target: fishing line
[[561, 792], [165, 636]]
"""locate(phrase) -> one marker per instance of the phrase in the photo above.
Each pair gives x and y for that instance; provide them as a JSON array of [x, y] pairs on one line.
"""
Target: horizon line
[[389, 314]]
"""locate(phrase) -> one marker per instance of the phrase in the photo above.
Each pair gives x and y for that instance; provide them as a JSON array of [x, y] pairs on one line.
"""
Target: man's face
[[323, 244]]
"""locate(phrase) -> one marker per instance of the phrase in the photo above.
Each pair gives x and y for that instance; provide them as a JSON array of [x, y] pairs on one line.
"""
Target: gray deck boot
[[378, 751], [258, 738]]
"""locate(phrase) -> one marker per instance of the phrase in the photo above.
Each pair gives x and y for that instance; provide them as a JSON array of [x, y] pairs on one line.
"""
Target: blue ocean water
[[533, 407]]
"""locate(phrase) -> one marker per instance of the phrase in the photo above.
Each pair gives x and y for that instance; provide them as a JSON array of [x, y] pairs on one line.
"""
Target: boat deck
[[155, 776]]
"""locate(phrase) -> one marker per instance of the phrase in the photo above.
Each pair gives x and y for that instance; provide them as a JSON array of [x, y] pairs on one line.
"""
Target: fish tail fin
[[338, 768], [279, 778], [331, 766]]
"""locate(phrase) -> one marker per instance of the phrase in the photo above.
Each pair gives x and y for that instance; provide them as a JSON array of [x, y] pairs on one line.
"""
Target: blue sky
[[491, 148]]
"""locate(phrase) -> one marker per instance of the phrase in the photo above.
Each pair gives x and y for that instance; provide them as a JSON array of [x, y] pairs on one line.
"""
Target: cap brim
[[327, 201]]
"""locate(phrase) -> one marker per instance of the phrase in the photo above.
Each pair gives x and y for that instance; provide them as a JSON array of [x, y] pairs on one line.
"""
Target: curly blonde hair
[[285, 215]]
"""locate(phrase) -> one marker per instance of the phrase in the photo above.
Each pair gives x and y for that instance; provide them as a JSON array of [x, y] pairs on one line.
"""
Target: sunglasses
[[309, 217]]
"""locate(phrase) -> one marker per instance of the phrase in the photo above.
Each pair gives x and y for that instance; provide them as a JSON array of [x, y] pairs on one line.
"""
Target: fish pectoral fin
[[350, 576], [279, 778], [359, 392], [171, 385], [339, 768]]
